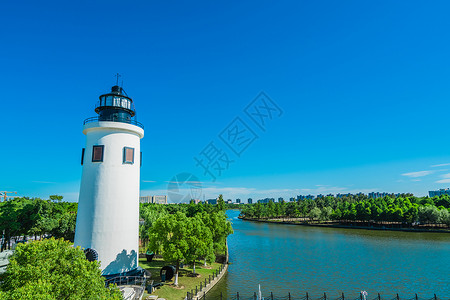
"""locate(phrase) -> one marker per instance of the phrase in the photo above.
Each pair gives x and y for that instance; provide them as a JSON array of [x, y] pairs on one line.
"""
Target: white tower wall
[[108, 207]]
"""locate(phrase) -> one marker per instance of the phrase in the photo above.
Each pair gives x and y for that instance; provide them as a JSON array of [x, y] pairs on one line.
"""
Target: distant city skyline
[[377, 194], [249, 99]]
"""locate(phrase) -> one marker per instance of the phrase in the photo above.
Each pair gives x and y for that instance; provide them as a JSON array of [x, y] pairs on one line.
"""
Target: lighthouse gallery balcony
[[113, 119]]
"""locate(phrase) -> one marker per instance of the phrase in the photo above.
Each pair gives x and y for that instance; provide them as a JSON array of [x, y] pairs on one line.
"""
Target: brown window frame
[[102, 153], [125, 161]]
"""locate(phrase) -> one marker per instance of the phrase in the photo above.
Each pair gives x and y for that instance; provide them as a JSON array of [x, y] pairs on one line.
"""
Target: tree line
[[406, 209], [23, 217], [185, 232]]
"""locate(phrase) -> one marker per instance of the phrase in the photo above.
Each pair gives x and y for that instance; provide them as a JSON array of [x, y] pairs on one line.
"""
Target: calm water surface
[[300, 259]]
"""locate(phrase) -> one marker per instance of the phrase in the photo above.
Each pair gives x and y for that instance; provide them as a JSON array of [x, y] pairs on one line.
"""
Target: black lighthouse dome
[[115, 106]]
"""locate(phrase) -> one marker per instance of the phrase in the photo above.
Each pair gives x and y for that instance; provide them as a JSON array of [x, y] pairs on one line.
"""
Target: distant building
[[375, 195], [250, 200], [160, 199], [153, 199], [320, 196], [381, 195], [292, 199], [280, 199], [238, 201], [211, 201], [309, 197], [266, 200], [439, 192], [229, 201], [339, 195], [146, 199]]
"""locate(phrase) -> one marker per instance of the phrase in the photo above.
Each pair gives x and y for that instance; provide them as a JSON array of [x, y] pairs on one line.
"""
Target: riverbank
[[338, 225], [298, 259]]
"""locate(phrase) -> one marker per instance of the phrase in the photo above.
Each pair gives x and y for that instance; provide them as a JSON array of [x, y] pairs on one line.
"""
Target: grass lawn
[[185, 282]]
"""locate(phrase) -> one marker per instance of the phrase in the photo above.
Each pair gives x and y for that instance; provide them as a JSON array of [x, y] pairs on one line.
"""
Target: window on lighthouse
[[82, 156], [97, 153], [117, 101], [109, 101], [128, 155]]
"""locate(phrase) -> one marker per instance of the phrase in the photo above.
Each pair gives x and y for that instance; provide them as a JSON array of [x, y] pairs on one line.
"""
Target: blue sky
[[363, 88]]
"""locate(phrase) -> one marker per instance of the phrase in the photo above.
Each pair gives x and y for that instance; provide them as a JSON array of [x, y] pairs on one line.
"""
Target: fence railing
[[193, 293], [127, 280], [139, 283], [289, 296]]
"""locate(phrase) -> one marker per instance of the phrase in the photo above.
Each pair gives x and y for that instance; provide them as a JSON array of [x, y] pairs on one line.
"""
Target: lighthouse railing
[[113, 119]]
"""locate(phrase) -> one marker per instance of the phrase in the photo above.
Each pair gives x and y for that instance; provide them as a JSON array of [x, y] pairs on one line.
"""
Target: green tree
[[194, 209], [259, 210], [325, 213], [56, 198], [200, 241], [220, 203], [149, 214], [66, 226], [336, 215], [170, 234], [44, 217], [53, 269], [398, 214], [270, 209], [443, 200], [444, 216], [282, 208], [291, 209], [314, 213], [249, 211], [10, 222], [220, 228], [429, 214], [412, 214]]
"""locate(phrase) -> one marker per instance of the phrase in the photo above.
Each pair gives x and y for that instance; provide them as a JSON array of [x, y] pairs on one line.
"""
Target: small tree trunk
[[176, 273], [205, 262], [194, 267]]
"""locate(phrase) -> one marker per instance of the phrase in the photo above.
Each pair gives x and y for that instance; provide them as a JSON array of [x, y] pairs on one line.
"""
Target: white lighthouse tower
[[107, 225]]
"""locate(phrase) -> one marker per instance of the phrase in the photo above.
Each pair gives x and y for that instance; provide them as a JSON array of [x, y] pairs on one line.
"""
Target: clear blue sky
[[364, 88]]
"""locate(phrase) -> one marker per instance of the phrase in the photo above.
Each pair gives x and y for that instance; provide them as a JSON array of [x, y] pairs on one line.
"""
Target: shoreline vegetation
[[392, 226], [403, 212]]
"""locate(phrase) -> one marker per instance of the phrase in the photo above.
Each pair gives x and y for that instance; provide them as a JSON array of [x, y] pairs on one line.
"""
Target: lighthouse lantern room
[[107, 225]]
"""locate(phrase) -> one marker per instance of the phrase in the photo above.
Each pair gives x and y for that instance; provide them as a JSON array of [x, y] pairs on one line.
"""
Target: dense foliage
[[405, 208], [182, 232], [22, 217], [54, 269]]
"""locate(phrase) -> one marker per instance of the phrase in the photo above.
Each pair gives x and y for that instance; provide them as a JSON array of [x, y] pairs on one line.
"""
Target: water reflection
[[300, 259]]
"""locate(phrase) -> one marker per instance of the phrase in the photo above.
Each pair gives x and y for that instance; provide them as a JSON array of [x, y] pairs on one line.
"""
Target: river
[[299, 259]]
